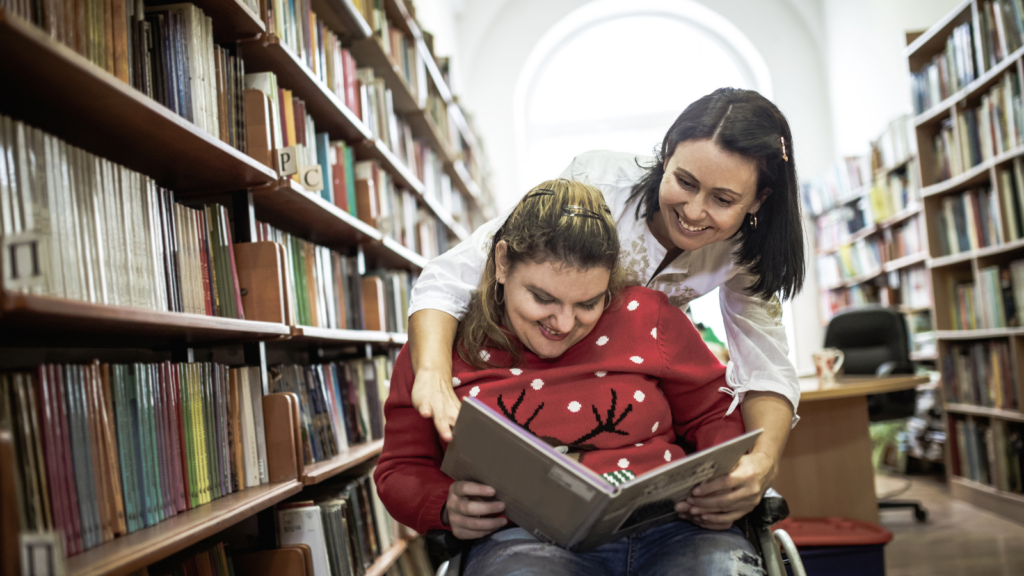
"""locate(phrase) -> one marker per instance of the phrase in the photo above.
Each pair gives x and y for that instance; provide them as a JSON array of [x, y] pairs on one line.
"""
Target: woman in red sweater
[[611, 375]]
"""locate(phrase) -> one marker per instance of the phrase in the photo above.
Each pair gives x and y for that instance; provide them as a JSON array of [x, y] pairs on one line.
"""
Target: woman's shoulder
[[639, 305], [607, 167]]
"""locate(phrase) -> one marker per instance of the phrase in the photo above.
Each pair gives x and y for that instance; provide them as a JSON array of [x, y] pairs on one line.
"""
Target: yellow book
[[289, 118], [199, 405]]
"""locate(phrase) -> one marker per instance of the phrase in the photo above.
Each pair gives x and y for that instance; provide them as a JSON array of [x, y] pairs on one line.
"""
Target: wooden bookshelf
[[336, 335], [384, 562], [350, 458], [26, 319], [287, 206], [967, 266], [905, 262], [342, 17], [232, 20], [64, 94], [137, 550], [369, 53], [267, 53]]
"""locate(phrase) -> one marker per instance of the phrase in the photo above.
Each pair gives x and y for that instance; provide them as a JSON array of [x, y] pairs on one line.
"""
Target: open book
[[563, 502]]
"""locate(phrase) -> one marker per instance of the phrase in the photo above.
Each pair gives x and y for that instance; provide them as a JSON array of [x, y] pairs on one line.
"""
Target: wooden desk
[[826, 468]]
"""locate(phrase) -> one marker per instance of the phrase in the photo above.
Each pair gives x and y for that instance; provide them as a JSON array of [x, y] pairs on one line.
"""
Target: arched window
[[614, 75]]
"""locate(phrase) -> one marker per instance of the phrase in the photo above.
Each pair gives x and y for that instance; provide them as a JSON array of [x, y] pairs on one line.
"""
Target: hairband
[[784, 157]]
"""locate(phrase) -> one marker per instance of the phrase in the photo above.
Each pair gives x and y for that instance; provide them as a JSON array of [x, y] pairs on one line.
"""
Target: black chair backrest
[[869, 337]]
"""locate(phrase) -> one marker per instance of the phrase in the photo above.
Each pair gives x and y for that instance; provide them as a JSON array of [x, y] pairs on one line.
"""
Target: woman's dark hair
[[745, 123]]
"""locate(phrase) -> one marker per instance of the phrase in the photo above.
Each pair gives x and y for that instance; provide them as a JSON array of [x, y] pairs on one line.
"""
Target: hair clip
[[539, 192], [570, 210], [784, 157]]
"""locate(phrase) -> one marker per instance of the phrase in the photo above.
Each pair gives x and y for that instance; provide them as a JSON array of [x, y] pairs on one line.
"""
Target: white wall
[[869, 83]]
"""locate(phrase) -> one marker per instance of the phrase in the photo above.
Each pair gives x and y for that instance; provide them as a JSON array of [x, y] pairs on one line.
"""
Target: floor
[[958, 540]]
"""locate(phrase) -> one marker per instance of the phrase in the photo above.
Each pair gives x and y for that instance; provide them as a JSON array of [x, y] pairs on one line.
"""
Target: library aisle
[[958, 538]]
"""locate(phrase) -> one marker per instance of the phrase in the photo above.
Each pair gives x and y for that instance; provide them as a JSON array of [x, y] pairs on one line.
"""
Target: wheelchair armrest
[[771, 509], [443, 544]]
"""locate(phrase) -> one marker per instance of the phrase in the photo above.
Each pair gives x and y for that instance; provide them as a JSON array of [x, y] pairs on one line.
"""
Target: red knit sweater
[[619, 397]]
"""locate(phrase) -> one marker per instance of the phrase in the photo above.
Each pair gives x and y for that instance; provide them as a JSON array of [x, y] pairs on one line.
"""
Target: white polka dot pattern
[[654, 333], [474, 391], [623, 463], [485, 355], [456, 382], [655, 427], [602, 340], [516, 371], [537, 384], [639, 396], [633, 305], [668, 456], [574, 406], [600, 374], [637, 359]]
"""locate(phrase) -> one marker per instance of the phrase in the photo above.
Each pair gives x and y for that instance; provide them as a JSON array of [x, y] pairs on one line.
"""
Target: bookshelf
[[867, 213], [74, 100], [968, 127]]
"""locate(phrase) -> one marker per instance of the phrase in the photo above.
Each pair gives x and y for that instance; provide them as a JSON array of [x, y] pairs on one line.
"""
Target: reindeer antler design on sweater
[[609, 425], [511, 415]]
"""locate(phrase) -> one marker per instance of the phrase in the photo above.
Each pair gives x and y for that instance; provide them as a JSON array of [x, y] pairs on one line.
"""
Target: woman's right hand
[[434, 396], [467, 507]]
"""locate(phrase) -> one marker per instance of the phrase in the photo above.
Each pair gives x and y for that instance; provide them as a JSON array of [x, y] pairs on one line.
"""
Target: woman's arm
[[431, 338]]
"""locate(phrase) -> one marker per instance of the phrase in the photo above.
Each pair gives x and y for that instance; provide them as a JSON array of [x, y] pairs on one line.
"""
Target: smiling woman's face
[[551, 306], [704, 196]]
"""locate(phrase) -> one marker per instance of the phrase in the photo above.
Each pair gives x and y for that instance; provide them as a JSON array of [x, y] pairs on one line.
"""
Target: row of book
[[897, 144], [988, 451], [346, 528], [857, 260], [400, 49], [991, 301], [166, 52], [81, 227], [340, 403], [995, 126], [914, 287], [907, 239], [980, 374], [1011, 188], [908, 289], [895, 192], [108, 449], [329, 290], [969, 221], [948, 71], [1001, 24], [844, 181]]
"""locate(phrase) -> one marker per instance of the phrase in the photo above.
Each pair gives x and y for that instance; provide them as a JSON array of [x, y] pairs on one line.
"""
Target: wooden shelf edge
[[906, 262], [21, 306], [1006, 504], [137, 550], [999, 413], [353, 456], [341, 335], [384, 562], [923, 356], [899, 217], [935, 29], [967, 91], [965, 178], [404, 253], [972, 254], [978, 334]]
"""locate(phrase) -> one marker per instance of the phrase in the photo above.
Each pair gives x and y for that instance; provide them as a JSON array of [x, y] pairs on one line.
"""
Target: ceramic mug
[[827, 363]]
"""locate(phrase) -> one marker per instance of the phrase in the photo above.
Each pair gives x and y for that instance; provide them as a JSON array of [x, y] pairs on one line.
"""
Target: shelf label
[[312, 178], [288, 161], [21, 261], [42, 554]]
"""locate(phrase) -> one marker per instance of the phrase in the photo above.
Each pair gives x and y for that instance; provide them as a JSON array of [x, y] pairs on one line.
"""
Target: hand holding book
[[470, 508]]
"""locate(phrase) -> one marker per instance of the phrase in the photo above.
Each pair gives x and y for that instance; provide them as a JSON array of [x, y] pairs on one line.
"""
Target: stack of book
[[346, 527], [995, 126], [979, 374], [97, 232], [166, 52], [949, 71], [846, 180], [988, 451], [1001, 30], [108, 449], [969, 221], [340, 403], [948, 158], [907, 238]]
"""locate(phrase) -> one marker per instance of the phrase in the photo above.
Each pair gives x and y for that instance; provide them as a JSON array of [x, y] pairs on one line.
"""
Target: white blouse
[[757, 340]]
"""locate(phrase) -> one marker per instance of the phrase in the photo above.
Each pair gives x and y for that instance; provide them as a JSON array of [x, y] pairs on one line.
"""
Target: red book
[[182, 454], [55, 482], [64, 446], [205, 261], [234, 271], [351, 84]]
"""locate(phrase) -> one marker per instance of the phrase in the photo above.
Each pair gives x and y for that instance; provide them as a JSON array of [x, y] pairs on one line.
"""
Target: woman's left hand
[[720, 502]]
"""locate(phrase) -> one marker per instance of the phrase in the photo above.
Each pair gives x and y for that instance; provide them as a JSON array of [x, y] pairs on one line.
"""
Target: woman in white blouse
[[717, 207]]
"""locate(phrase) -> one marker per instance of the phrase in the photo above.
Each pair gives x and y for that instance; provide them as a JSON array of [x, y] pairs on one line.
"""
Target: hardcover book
[[561, 501]]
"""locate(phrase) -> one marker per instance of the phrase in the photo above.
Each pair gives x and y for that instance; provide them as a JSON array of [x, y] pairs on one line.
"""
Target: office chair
[[756, 526], [874, 341]]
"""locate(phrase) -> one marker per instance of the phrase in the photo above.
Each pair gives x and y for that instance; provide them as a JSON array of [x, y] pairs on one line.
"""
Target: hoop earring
[[498, 285], [753, 221], [607, 298]]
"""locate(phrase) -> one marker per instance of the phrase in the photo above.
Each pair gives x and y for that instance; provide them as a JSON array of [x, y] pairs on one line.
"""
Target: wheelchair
[[756, 526]]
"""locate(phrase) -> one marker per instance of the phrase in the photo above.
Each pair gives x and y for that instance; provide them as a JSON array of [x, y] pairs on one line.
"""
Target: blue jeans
[[678, 547]]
